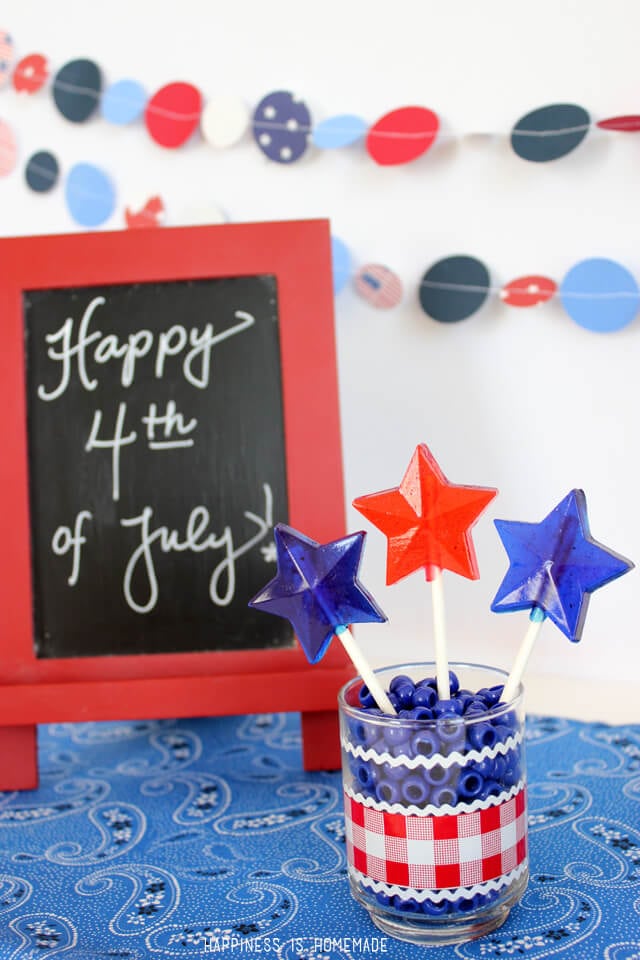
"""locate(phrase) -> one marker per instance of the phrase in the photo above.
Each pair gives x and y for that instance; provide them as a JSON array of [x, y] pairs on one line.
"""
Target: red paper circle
[[402, 135], [627, 124], [30, 73], [173, 113], [528, 291]]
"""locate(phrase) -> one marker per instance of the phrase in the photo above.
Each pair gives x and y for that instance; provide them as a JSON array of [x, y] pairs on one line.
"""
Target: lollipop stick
[[365, 671], [536, 619], [440, 634]]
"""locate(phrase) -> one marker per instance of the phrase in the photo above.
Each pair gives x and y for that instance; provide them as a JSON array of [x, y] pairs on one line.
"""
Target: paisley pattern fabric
[[206, 838]]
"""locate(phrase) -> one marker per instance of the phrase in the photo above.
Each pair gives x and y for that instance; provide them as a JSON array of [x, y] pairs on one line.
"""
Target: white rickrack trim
[[431, 810], [438, 759], [410, 893]]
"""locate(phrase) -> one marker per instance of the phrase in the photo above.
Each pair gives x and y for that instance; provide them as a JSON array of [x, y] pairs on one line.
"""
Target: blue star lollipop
[[318, 591], [555, 565]]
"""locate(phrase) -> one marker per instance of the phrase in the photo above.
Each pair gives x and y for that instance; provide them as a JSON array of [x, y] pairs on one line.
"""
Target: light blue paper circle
[[600, 295], [341, 262], [123, 102], [89, 194], [339, 131]]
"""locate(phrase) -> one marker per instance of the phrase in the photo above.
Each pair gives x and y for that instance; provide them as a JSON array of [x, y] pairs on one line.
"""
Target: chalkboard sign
[[168, 396], [166, 400]]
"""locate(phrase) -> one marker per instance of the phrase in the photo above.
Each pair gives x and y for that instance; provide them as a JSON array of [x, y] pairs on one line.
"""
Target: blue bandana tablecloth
[[197, 838]]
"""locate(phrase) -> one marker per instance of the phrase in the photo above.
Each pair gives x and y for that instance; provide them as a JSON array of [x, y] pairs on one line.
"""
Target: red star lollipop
[[427, 522]]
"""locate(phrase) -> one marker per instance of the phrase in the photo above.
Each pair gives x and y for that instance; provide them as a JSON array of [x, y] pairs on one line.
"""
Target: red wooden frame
[[186, 684]]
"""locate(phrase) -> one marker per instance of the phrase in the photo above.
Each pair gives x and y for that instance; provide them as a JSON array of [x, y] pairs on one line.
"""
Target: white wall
[[523, 400]]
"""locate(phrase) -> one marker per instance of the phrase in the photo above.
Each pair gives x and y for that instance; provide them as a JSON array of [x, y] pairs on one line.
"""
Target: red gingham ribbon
[[436, 852]]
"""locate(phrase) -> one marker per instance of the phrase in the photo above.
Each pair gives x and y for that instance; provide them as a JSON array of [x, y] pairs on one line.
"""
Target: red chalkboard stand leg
[[18, 758], [320, 740]]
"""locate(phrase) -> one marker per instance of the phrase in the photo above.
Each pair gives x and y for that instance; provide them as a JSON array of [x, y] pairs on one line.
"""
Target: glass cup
[[435, 807]]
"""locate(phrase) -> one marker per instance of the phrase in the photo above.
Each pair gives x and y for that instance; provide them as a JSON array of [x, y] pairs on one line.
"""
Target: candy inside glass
[[435, 804]]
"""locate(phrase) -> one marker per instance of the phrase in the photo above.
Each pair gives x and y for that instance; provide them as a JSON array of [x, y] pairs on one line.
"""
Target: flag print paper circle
[[339, 131], [6, 56], [89, 194], [123, 102], [454, 288], [31, 73], [379, 286], [600, 295], [173, 113], [8, 149], [281, 127], [341, 264], [42, 171], [225, 120], [402, 135], [550, 132], [76, 90], [528, 291]]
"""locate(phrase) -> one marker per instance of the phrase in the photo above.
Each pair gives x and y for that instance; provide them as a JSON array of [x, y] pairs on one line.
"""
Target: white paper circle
[[224, 121]]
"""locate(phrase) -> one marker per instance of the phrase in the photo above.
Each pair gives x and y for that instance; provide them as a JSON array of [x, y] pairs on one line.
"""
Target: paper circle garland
[[339, 131], [173, 113], [224, 121], [41, 172], [76, 90], [8, 149], [341, 264], [89, 194], [549, 133], [528, 291], [6, 56], [379, 286], [454, 288], [627, 124], [281, 127], [31, 73], [402, 135], [123, 102], [600, 295]]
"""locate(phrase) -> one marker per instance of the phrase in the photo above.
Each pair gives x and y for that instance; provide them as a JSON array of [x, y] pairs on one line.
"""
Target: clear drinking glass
[[435, 810]]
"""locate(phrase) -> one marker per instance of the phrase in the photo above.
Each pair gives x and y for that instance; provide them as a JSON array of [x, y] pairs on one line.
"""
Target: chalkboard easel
[[167, 396]]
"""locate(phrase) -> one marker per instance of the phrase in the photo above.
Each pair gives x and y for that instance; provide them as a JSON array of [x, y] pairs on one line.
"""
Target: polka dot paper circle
[[281, 127], [6, 56], [31, 73], [600, 295]]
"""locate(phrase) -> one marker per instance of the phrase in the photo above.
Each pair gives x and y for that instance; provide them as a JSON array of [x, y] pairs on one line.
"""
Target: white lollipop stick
[[536, 619], [373, 684], [440, 635]]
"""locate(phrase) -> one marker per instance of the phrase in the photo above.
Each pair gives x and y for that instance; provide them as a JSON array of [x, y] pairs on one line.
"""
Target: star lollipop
[[318, 591], [555, 565], [427, 522]]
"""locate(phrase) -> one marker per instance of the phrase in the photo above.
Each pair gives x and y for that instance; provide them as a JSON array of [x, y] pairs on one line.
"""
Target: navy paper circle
[[76, 89], [533, 137], [42, 171], [281, 127], [440, 296]]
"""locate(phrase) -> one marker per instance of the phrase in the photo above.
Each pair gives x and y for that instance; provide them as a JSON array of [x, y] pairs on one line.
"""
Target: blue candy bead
[[388, 791], [481, 735], [366, 775], [407, 906], [484, 768], [509, 719], [442, 795], [425, 743], [428, 682], [396, 733], [488, 696], [454, 683], [464, 699], [447, 708], [511, 774], [389, 772], [503, 732], [420, 713], [399, 680], [490, 789], [435, 909], [497, 690], [395, 702], [365, 697], [424, 696], [499, 767], [364, 733], [404, 692], [470, 785], [414, 789], [437, 775], [452, 736], [476, 704]]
